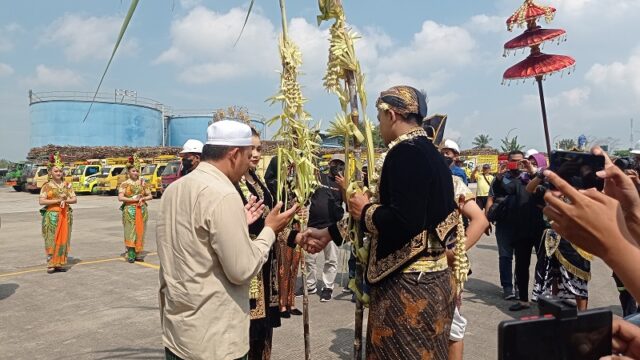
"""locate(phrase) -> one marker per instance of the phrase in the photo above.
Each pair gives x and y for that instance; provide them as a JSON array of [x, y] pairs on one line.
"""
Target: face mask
[[448, 161], [187, 163]]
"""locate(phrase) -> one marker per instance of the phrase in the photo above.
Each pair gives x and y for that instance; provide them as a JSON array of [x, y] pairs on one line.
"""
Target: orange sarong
[[61, 246], [139, 224]]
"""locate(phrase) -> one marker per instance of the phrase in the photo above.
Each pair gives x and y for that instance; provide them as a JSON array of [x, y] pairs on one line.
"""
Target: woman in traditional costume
[[57, 217], [264, 288], [134, 194], [563, 269]]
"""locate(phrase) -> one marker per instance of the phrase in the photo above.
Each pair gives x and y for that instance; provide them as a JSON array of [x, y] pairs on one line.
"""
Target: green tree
[[567, 144], [377, 138], [622, 153], [512, 144], [4, 163], [481, 141]]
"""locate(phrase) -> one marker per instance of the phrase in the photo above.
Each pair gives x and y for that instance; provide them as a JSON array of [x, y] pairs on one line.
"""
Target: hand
[[625, 340], [591, 220], [62, 204], [502, 169], [488, 230], [141, 201], [357, 202], [528, 166], [342, 183], [316, 239], [253, 210], [277, 220]]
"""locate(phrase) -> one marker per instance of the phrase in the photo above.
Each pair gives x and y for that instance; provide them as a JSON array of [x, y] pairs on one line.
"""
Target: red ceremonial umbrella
[[537, 65], [533, 37]]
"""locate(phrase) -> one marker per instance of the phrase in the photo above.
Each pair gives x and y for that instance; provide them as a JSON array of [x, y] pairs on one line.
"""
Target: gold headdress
[[55, 161], [134, 161]]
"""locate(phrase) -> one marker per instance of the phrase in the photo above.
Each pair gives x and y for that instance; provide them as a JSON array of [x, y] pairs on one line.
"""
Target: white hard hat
[[192, 146], [450, 144], [636, 149], [530, 152]]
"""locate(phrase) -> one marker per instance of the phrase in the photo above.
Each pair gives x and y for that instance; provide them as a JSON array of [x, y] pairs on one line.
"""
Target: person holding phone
[[518, 229]]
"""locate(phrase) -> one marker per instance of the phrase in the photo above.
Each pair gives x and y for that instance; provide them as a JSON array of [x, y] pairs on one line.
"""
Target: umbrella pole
[[544, 114]]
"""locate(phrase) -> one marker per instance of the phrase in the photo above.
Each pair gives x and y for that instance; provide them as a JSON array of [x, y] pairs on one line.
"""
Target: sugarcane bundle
[[297, 156]]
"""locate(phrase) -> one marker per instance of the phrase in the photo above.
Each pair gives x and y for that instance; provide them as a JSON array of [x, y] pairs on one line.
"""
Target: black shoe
[[140, 259], [519, 306], [285, 314], [61, 269], [325, 295], [295, 312], [131, 260]]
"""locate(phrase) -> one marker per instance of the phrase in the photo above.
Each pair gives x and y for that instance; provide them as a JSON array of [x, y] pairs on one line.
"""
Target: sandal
[[295, 312], [51, 270], [285, 314]]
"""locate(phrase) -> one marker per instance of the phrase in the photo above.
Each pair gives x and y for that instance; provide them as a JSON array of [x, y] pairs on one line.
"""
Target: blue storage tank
[[59, 122], [183, 128]]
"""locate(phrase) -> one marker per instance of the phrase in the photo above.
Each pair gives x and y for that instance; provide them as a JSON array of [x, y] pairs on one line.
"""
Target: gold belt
[[424, 264]]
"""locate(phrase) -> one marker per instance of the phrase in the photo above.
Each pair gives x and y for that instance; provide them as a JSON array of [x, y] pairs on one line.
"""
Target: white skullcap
[[450, 144], [229, 133], [192, 146]]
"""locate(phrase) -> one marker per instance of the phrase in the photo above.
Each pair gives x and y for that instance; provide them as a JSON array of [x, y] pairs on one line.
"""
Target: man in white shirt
[[206, 256]]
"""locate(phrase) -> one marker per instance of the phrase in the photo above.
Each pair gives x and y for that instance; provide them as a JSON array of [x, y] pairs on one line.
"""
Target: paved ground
[[105, 308]]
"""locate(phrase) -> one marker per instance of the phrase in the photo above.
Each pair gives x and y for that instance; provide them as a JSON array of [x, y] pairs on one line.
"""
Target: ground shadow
[[487, 247], [342, 344], [128, 353], [483, 292], [72, 261], [7, 290]]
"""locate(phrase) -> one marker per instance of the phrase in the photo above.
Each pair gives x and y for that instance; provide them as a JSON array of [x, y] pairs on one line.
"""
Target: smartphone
[[578, 169], [513, 165], [565, 335]]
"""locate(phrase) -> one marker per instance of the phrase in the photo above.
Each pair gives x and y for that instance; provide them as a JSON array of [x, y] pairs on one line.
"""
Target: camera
[[560, 332], [625, 163]]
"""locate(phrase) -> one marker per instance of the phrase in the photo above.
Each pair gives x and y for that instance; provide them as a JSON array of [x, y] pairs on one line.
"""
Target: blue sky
[[180, 53]]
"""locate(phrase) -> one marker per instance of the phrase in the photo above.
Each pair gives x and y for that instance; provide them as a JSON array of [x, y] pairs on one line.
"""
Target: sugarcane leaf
[[246, 19], [123, 29]]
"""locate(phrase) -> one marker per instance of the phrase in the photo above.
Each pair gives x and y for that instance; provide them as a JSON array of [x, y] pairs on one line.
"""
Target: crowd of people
[[229, 252]]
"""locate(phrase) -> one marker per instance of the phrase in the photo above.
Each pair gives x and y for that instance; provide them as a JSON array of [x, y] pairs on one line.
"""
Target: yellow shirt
[[483, 185], [207, 260]]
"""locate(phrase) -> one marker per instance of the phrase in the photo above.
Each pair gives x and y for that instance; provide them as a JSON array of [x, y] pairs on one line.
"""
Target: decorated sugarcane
[[345, 79], [300, 146]]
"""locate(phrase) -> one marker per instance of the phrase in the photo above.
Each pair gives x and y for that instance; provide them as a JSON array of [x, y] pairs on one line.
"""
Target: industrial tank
[[183, 128], [57, 118]]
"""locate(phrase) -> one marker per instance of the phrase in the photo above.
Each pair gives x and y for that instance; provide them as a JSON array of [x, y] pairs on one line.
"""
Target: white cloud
[[576, 96], [54, 78], [487, 24], [91, 37], [202, 45], [622, 76], [5, 70], [188, 4], [601, 9], [435, 45]]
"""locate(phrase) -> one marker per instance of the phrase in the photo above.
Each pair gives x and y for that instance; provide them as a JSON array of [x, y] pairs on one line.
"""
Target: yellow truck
[[113, 174], [37, 178], [152, 173], [85, 177]]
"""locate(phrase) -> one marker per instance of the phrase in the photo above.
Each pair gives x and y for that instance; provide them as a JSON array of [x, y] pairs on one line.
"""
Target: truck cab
[[110, 179], [171, 173], [37, 178], [13, 175], [85, 178], [152, 174]]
